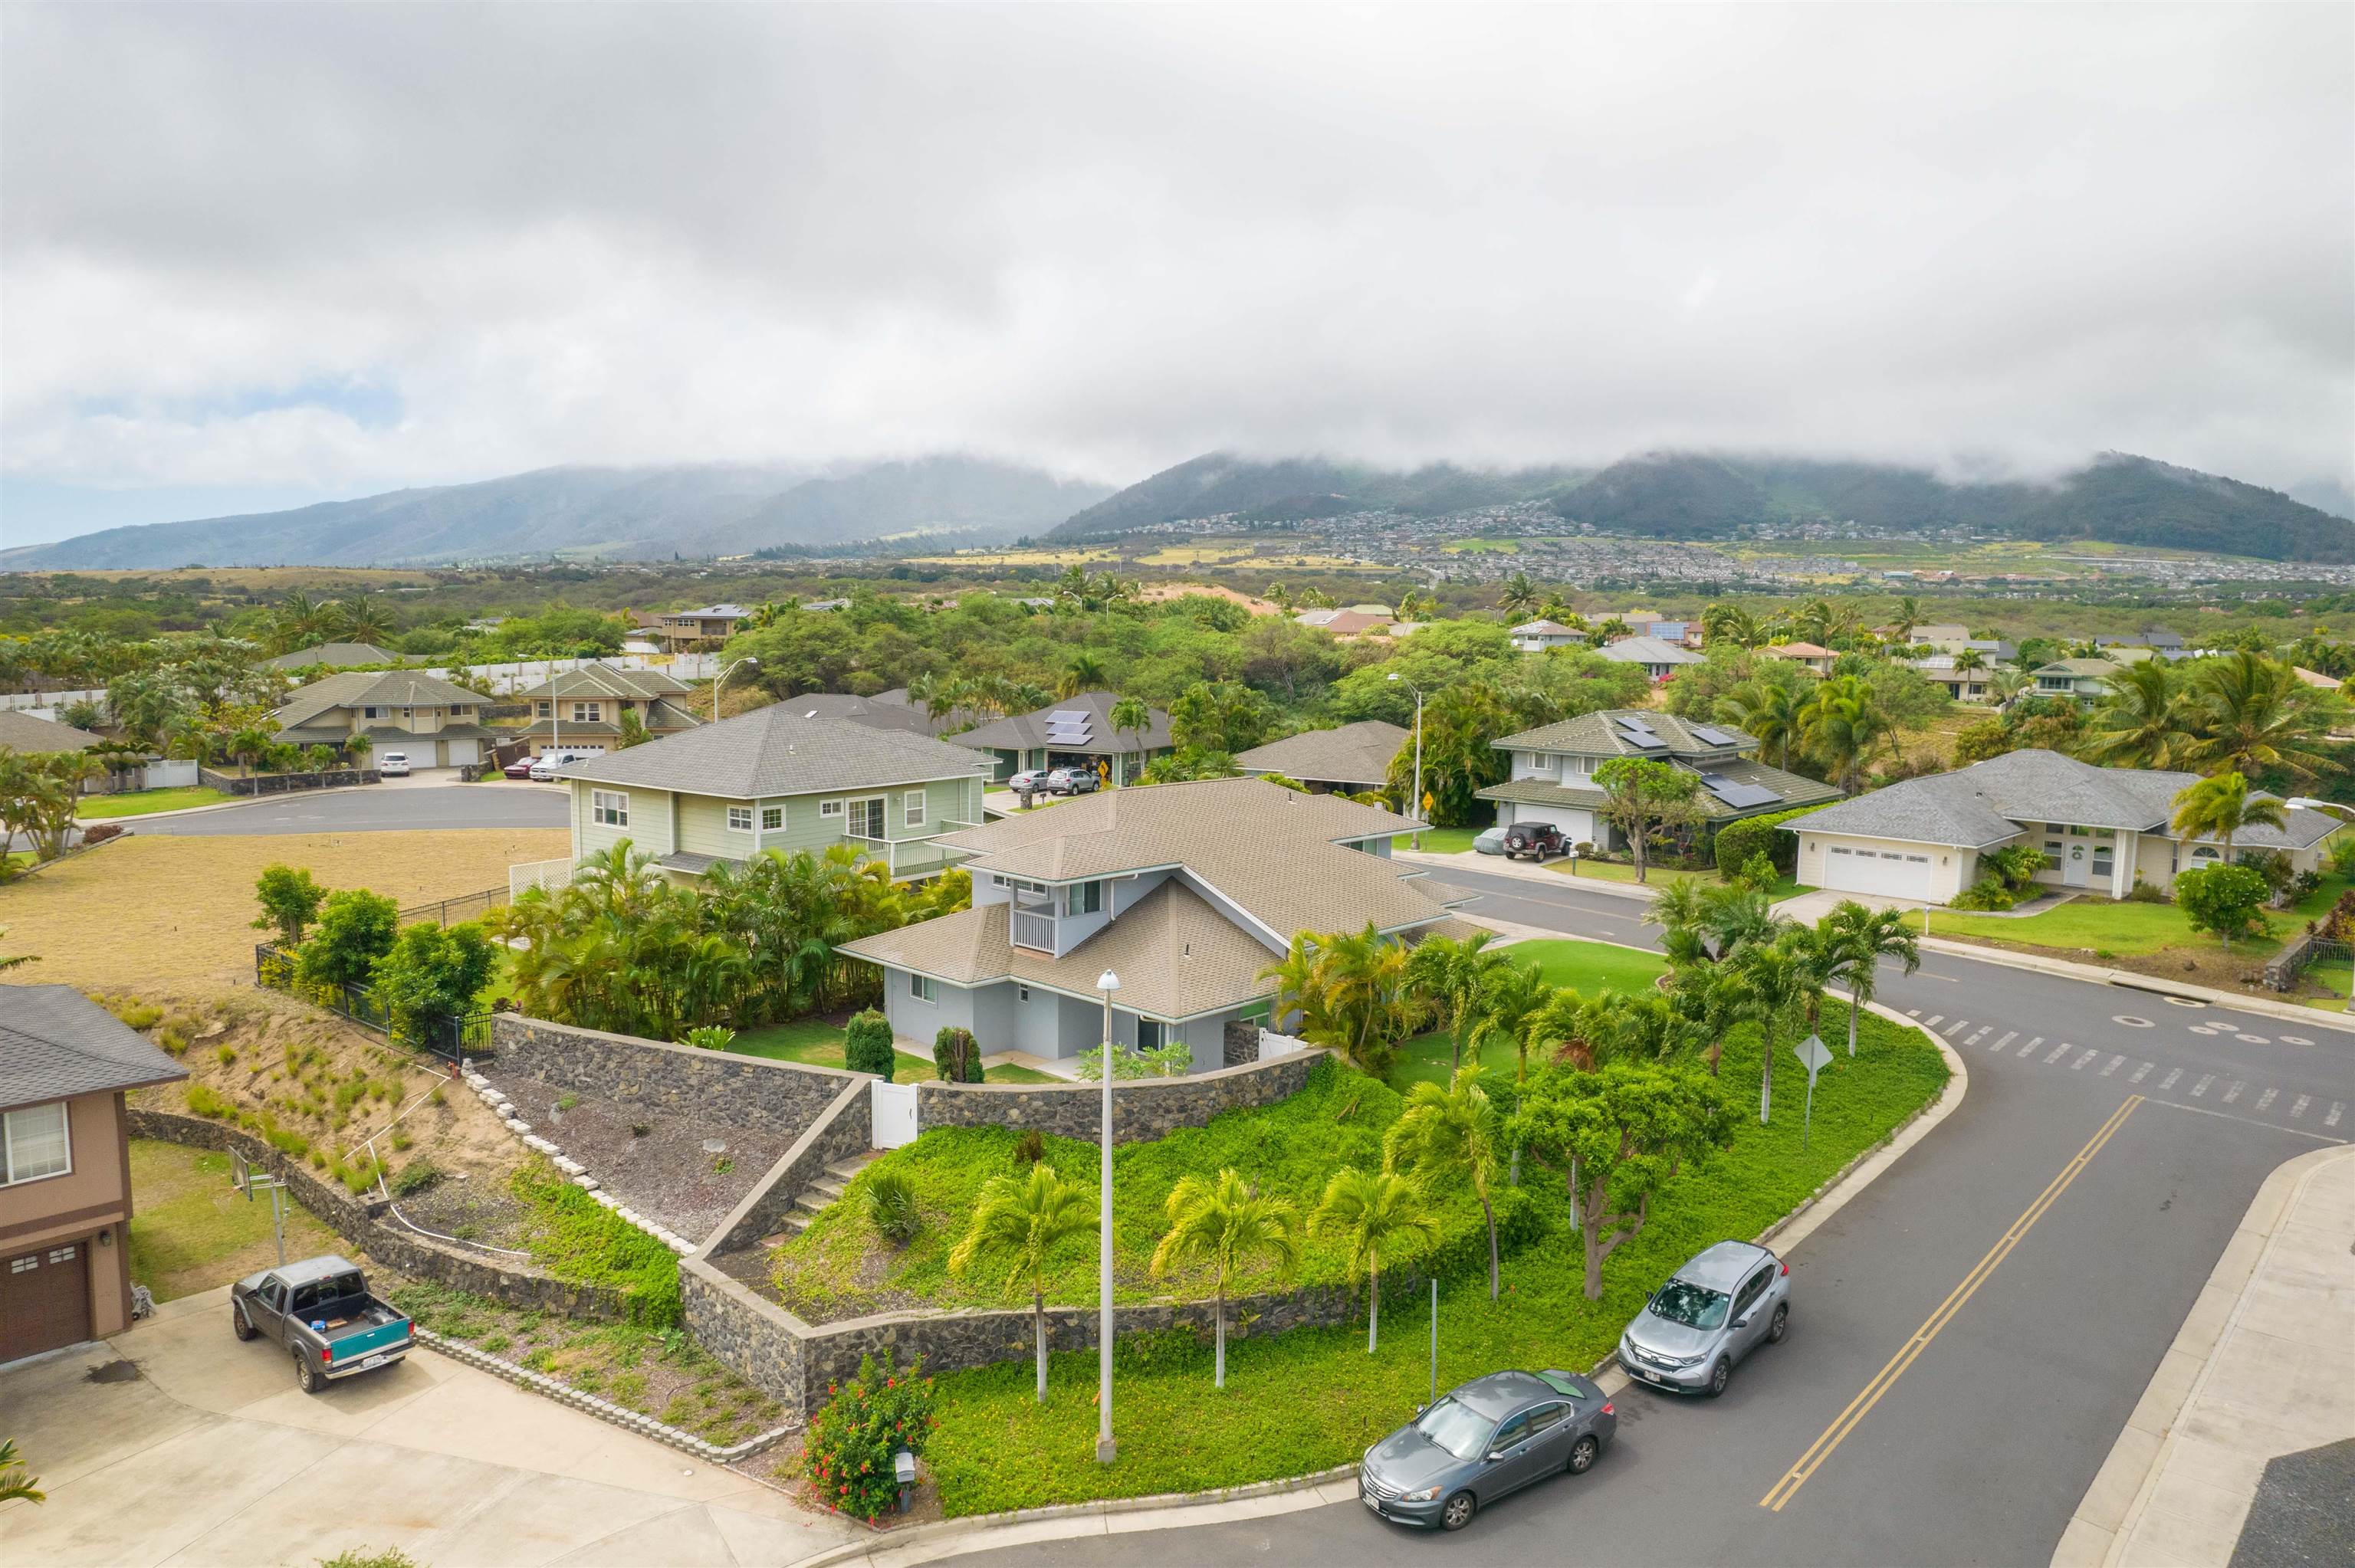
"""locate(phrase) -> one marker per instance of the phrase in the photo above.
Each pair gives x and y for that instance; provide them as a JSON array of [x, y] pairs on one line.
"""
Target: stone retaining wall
[[844, 1131], [683, 1080], [515, 1284], [1142, 1109]]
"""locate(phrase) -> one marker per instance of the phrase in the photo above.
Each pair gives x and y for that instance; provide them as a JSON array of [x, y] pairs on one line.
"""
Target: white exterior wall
[[1951, 869]]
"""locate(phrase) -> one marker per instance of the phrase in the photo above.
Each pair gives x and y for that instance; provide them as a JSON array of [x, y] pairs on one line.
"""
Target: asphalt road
[[394, 807], [2108, 1145]]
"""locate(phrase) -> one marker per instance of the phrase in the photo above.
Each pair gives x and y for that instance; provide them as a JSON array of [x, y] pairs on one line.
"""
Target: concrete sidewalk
[[2264, 1369], [1526, 870]]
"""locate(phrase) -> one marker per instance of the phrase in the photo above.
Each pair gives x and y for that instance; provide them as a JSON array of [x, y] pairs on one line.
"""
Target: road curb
[[228, 805], [1062, 1521], [2098, 1531], [2130, 979]]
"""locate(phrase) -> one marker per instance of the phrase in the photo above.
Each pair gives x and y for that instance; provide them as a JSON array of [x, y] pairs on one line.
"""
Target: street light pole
[[1107, 982], [1416, 810], [721, 679]]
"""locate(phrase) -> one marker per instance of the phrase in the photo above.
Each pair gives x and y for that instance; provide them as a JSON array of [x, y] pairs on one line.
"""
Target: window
[[548, 710], [610, 808], [923, 988], [912, 803], [38, 1144], [1083, 898], [2204, 853], [1149, 1035], [866, 819], [771, 817], [1752, 1289], [1513, 1433], [1021, 994], [740, 818], [588, 713], [830, 808], [1545, 1416], [371, 713]]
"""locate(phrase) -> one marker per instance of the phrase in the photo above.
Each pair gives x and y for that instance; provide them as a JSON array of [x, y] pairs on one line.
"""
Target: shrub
[[357, 927], [205, 1101], [431, 974], [1031, 1150], [1990, 891], [226, 1055], [1738, 842], [889, 1198], [957, 1057], [2144, 892], [2307, 884], [415, 1177], [846, 1455], [2017, 865], [711, 1037], [134, 1014], [172, 1040], [867, 1044], [2225, 899], [2342, 857], [290, 901], [99, 832]]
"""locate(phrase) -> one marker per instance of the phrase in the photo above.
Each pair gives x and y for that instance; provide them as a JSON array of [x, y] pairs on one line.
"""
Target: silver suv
[[1726, 1302]]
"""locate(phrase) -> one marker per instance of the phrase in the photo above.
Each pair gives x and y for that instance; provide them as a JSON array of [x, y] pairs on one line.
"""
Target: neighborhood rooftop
[[1079, 724], [1354, 753], [775, 750], [55, 1043]]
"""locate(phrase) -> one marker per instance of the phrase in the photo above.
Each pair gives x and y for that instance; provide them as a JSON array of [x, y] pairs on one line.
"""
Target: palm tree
[[2008, 684], [1555, 606], [1908, 617], [1844, 725], [2141, 721], [1453, 973], [1372, 1212], [13, 960], [1763, 983], [1680, 912], [2221, 807], [1023, 1220], [16, 1485], [1511, 996], [1449, 1135], [1725, 621], [2250, 712], [1613, 629], [1279, 595], [1861, 938], [1968, 661], [1131, 716], [1085, 673], [363, 621], [1226, 1225], [1516, 595], [1767, 711]]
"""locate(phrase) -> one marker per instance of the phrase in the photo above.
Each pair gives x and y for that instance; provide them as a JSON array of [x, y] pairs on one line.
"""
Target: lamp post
[[1106, 982], [1417, 812], [721, 679]]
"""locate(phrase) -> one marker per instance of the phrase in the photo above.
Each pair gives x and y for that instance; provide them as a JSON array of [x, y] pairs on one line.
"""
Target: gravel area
[[468, 1209], [670, 1170]]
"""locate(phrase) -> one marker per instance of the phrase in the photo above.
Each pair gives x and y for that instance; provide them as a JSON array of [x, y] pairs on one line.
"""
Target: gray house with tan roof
[[581, 709], [1186, 892], [430, 721], [1353, 759]]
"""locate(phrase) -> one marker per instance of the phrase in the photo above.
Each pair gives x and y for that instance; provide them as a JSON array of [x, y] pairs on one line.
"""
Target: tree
[[40, 793], [1728, 623], [1372, 1212], [957, 1057], [1452, 973], [1908, 617], [1968, 661], [1508, 999], [2222, 808], [1350, 992], [431, 974], [16, 1484], [1219, 715], [2250, 712], [1225, 1224], [1085, 673], [867, 1044], [2226, 899], [1460, 727], [2141, 721], [1767, 711], [1642, 797], [1765, 983], [1449, 1135], [1861, 937], [1618, 1136], [290, 901], [1844, 723], [632, 731], [1516, 595], [1022, 1220], [357, 927], [1131, 716]]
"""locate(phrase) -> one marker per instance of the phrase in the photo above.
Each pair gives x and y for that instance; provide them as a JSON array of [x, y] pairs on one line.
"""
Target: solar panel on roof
[[1739, 796], [1070, 715], [1714, 736]]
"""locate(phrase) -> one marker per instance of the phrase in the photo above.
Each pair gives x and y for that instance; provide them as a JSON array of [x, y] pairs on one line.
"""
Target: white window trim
[[830, 808], [911, 808], [777, 811], [924, 989], [65, 1132], [604, 800], [745, 826]]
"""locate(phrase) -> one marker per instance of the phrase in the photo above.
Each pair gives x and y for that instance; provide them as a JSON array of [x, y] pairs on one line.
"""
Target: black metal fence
[[450, 911], [2307, 952], [449, 1038]]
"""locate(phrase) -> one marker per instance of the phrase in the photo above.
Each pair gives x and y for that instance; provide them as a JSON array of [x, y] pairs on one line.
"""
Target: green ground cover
[[1445, 841], [1313, 1398], [191, 1231], [815, 1043], [140, 803], [1586, 966], [2128, 928]]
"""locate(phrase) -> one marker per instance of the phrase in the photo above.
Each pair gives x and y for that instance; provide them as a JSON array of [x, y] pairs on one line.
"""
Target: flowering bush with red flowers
[[847, 1453]]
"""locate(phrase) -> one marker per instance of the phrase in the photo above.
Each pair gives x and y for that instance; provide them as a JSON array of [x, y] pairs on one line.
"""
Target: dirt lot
[[172, 914]]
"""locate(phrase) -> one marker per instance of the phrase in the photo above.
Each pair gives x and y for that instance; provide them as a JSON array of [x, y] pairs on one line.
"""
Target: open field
[[190, 1230], [170, 913], [259, 579]]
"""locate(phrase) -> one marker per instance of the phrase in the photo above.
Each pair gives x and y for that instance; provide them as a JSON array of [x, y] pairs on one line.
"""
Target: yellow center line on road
[[1812, 1461]]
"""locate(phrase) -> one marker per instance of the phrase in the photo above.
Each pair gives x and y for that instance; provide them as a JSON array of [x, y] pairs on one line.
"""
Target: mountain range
[[2118, 498], [627, 514]]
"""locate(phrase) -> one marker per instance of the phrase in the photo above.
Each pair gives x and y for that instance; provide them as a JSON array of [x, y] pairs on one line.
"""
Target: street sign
[[1813, 1057]]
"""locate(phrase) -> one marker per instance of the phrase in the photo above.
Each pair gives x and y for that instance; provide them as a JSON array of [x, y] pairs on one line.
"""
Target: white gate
[[894, 1109], [1271, 1044]]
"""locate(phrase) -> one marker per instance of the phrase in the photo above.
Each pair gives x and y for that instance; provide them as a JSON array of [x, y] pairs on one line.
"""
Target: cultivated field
[[168, 914]]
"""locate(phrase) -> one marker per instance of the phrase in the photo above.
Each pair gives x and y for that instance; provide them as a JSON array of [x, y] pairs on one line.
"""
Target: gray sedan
[[1493, 1435]]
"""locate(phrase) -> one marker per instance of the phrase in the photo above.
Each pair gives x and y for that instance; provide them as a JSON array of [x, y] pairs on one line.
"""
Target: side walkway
[[2264, 1368]]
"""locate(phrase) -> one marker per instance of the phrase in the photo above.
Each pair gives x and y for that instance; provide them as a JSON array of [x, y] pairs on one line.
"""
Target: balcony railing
[[1036, 932]]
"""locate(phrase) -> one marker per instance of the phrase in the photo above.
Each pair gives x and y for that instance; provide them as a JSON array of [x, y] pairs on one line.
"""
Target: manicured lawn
[[815, 1043], [1313, 1397], [191, 1231], [1445, 841], [1656, 876], [1586, 966], [2128, 928], [140, 803]]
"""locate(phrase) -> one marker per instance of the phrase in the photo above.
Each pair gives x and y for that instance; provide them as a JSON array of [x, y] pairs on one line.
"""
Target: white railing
[[1036, 932], [548, 874]]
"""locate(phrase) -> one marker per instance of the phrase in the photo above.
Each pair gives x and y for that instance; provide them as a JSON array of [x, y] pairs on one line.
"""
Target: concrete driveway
[[176, 1444], [1808, 908]]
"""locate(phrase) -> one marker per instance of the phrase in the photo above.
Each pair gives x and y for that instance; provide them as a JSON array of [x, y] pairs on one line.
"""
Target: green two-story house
[[777, 779]]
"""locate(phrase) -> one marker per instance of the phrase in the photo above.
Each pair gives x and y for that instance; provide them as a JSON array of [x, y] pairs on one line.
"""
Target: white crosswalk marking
[[2078, 1065], [2299, 1109], [2115, 1063], [2201, 1087], [2234, 1091], [2267, 1098], [2058, 1052], [2332, 1120], [1957, 1026], [2030, 1049], [2170, 1081], [1912, 1012], [1980, 1035], [2140, 1073], [2008, 1036], [1932, 1020]]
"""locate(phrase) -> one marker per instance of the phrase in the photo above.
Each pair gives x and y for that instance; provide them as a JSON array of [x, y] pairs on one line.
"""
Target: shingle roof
[[55, 1043], [873, 712], [1601, 735], [1028, 731], [1543, 627], [1354, 754], [1271, 851], [1790, 789], [335, 655], [604, 680], [1648, 651], [2093, 669], [26, 733], [372, 688], [775, 750]]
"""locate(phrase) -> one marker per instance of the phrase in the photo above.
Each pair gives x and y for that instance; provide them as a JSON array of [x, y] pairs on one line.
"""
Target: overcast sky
[[251, 256]]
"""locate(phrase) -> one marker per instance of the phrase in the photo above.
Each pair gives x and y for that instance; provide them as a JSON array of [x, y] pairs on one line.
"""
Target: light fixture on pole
[[1106, 982], [722, 678], [1417, 811]]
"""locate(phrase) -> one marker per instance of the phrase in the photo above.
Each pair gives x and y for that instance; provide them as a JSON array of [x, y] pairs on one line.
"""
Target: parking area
[[174, 1443]]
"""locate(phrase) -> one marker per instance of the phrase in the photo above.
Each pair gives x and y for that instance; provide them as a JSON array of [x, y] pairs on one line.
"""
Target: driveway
[[176, 1444]]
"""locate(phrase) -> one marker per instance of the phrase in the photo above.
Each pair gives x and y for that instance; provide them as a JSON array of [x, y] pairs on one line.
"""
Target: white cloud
[[1107, 239]]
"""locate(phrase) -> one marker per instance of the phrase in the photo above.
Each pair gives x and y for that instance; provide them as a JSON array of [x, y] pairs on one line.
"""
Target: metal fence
[[450, 911], [449, 1038], [2308, 952]]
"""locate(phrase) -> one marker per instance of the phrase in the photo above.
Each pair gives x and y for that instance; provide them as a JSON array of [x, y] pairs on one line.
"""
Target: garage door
[[462, 752], [44, 1300], [1895, 873]]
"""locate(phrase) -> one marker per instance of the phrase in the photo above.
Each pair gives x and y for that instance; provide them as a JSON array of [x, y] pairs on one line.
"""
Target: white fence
[[548, 874], [504, 679], [893, 1111], [45, 705], [1271, 1044]]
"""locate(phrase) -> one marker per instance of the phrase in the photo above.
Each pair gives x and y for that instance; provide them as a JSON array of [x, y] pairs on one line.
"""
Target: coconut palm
[[1767, 711], [1372, 1212], [1908, 617], [1680, 912], [1131, 716], [1085, 673], [2222, 806], [2250, 712], [1844, 724], [1861, 937], [1021, 1220], [1555, 607], [1450, 973], [1448, 1136], [1765, 983], [361, 619], [2141, 721], [1612, 630], [1225, 1224], [16, 1484], [1970, 661], [1728, 623], [1516, 595]]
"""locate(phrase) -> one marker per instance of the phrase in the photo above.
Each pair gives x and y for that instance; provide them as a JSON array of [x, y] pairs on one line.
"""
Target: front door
[[44, 1300], [2076, 867]]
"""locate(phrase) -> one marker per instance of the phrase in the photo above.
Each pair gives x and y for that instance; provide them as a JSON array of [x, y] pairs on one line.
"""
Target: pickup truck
[[320, 1309]]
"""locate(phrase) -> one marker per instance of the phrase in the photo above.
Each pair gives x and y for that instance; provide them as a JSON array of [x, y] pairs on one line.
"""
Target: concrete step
[[832, 1187], [813, 1204], [844, 1170], [797, 1221]]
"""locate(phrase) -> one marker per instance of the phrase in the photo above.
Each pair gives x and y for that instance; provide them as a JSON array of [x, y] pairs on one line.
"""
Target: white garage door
[[1896, 874], [463, 751]]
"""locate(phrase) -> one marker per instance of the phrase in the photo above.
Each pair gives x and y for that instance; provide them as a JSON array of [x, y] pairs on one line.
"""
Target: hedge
[[1738, 841]]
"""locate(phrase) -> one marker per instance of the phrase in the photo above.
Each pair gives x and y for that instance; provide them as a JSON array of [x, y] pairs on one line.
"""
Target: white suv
[[392, 765], [545, 768]]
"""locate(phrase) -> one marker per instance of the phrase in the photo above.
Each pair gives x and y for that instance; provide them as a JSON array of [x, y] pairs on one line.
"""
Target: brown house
[[65, 1166]]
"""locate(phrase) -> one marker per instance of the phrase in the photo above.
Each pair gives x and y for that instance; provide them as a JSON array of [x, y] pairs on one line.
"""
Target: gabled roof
[[1798, 650], [1648, 651], [873, 712], [710, 612], [55, 1043], [31, 734], [1353, 754], [335, 655], [2082, 669], [372, 688], [1604, 735], [1025, 732], [1789, 791], [1542, 628], [604, 680], [775, 751], [1276, 854]]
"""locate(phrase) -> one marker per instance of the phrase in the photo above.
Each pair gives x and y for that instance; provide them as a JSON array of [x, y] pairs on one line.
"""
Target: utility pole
[[1107, 982]]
